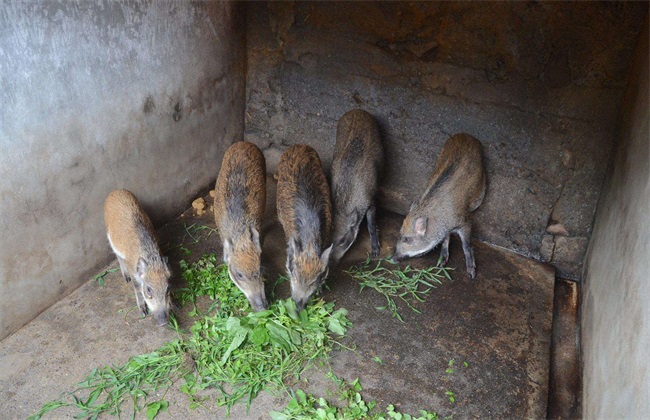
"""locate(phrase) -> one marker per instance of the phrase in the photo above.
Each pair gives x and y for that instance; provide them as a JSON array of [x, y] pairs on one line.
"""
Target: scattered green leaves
[[352, 406], [392, 414], [451, 395], [100, 277], [107, 388], [450, 369], [195, 232], [406, 283], [377, 360]]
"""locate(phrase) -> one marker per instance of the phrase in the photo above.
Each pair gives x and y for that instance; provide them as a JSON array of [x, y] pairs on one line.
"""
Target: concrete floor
[[499, 324]]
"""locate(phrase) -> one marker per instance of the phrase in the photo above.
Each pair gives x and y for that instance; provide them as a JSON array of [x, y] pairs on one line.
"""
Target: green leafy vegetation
[[100, 277], [352, 406], [230, 354], [235, 352], [105, 389], [395, 282], [207, 277], [450, 368], [451, 395], [193, 234]]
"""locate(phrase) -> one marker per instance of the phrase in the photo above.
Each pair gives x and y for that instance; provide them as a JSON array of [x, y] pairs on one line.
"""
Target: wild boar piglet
[[305, 212], [357, 164], [240, 199], [455, 189], [134, 242]]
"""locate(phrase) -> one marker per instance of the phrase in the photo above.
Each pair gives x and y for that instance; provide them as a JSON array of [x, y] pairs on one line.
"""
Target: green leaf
[[93, 396], [259, 335], [336, 327], [279, 335], [292, 311], [237, 341], [153, 409], [51, 406]]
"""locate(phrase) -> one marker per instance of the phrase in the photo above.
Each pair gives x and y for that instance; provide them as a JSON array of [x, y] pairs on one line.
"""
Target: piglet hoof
[[472, 273], [374, 252], [144, 311]]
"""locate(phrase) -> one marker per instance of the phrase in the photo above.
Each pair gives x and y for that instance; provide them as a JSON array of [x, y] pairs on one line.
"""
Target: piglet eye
[[149, 291], [406, 239]]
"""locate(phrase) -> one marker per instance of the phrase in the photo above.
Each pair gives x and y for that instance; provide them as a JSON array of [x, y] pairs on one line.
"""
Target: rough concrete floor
[[499, 324]]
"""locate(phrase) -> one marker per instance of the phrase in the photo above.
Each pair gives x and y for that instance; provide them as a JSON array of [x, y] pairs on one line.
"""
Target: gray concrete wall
[[98, 95], [539, 83], [615, 311]]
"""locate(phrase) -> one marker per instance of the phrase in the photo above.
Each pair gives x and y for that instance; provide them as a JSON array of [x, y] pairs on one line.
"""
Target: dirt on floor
[[496, 329]]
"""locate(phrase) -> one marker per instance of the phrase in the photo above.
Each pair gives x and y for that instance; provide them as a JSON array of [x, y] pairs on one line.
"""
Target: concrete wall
[[615, 311], [98, 95], [539, 83]]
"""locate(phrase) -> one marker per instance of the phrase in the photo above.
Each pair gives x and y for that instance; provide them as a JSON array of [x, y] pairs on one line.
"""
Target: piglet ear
[[227, 250], [142, 267], [255, 237], [325, 256], [295, 245], [291, 250], [421, 226]]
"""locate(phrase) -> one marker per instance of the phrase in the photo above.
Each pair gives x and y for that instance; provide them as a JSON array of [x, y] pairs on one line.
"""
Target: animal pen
[[148, 96]]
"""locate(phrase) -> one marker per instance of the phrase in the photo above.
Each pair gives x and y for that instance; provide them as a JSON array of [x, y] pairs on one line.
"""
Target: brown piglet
[[134, 242], [239, 202], [305, 212], [455, 189], [358, 160]]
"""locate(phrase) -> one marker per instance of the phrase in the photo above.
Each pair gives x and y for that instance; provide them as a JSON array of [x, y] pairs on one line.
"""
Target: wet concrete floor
[[497, 329]]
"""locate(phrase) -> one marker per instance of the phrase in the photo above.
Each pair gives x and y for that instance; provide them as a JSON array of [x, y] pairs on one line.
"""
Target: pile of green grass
[[232, 350], [395, 282]]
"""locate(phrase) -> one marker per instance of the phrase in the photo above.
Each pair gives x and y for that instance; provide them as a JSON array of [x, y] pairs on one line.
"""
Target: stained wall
[[98, 95], [540, 84]]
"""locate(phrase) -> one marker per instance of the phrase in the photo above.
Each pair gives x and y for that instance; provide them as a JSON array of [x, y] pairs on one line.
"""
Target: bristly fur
[[303, 201], [133, 239], [455, 188], [130, 229], [239, 204], [358, 161], [241, 187], [305, 212]]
